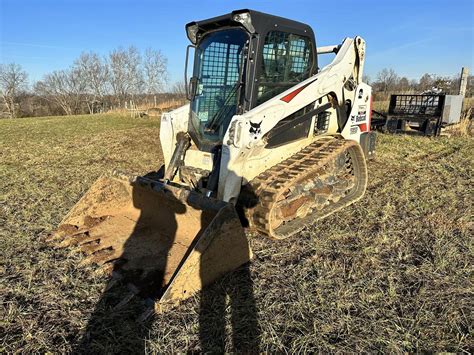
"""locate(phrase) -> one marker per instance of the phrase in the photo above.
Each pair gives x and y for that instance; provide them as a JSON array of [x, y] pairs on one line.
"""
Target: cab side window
[[287, 60]]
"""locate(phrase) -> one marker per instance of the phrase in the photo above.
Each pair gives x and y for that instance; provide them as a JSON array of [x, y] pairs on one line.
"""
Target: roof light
[[245, 19], [192, 30]]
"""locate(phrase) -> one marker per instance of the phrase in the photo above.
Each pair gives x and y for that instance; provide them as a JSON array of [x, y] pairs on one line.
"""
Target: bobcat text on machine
[[268, 142]]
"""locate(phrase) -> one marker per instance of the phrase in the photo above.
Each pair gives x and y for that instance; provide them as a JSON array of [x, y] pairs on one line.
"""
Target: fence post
[[463, 81]]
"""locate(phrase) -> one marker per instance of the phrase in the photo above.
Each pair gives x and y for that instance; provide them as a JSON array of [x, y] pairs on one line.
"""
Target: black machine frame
[[413, 114]]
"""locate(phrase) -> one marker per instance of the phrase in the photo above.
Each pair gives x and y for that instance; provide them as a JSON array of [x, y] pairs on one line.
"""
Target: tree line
[[95, 83], [388, 82], [92, 83]]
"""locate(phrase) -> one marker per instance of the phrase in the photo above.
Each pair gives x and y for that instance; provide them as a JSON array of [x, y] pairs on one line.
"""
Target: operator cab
[[241, 60]]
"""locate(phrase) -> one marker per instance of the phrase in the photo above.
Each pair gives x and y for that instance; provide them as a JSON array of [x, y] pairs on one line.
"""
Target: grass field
[[392, 273]]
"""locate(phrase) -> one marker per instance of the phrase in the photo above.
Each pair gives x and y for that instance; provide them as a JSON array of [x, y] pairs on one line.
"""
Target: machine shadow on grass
[[237, 289], [232, 293], [115, 325]]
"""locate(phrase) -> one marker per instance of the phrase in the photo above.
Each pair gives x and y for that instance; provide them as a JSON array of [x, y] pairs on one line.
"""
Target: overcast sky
[[412, 37]]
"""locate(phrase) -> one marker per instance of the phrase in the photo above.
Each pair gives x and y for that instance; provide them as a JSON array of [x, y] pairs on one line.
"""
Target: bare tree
[[95, 73], [126, 76], [366, 79], [403, 84], [426, 82], [446, 84], [179, 89], [155, 68], [13, 80], [124, 73], [387, 78], [63, 87]]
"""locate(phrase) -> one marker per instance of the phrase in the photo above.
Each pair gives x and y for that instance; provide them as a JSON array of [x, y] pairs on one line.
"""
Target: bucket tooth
[[62, 232], [93, 246], [101, 257], [72, 240], [78, 239]]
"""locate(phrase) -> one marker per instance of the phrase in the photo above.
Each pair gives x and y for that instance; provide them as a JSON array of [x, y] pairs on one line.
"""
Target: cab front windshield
[[217, 70]]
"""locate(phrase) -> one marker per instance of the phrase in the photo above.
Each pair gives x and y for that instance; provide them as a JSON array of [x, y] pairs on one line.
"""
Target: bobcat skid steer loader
[[268, 142]]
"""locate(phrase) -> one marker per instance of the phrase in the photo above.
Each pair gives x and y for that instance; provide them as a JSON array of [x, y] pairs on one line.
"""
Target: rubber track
[[270, 184]]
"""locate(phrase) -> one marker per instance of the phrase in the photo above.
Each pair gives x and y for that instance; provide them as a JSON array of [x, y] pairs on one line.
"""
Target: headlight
[[192, 30], [245, 19]]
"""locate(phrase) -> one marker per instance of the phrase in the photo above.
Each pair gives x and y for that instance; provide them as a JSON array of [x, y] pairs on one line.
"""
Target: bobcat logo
[[255, 129]]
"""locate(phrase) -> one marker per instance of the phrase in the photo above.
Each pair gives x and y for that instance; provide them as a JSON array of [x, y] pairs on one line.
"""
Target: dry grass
[[392, 273], [380, 106], [468, 102], [464, 128], [162, 106]]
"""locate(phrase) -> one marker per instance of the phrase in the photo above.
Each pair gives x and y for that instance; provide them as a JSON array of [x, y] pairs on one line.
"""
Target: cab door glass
[[286, 61]]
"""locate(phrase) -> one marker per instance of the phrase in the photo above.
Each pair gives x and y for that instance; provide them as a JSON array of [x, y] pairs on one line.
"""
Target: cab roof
[[261, 23]]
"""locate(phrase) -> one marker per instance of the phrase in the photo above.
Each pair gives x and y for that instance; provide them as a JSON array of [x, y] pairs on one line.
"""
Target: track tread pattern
[[272, 183]]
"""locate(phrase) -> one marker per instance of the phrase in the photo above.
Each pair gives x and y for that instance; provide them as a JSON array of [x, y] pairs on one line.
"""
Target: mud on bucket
[[166, 242]]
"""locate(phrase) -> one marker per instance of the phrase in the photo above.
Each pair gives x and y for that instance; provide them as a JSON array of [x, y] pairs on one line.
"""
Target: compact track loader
[[268, 142]]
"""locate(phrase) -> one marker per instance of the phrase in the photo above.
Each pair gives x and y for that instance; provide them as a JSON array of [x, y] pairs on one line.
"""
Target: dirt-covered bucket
[[166, 242]]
